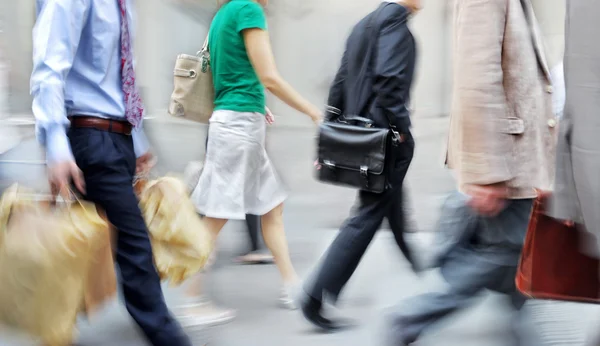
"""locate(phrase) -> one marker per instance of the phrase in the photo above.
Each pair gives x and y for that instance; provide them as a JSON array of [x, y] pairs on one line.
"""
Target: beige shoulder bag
[[194, 92]]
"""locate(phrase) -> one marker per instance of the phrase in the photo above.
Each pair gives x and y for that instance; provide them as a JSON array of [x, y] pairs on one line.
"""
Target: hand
[[488, 200], [144, 163], [60, 176], [317, 117], [269, 117], [317, 164]]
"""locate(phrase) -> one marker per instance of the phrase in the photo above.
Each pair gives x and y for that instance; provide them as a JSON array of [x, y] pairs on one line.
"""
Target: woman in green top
[[238, 177]]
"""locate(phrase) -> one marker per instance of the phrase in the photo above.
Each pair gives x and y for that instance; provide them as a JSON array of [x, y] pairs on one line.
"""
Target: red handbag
[[552, 265]]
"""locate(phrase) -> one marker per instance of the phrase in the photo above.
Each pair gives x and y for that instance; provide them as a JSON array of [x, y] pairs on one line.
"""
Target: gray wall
[[307, 36]]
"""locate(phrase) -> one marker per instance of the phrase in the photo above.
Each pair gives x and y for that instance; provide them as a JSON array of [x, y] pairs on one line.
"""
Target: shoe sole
[[195, 322]]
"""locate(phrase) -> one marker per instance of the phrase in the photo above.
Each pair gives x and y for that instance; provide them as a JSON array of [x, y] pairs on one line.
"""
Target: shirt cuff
[[58, 148], [140, 142]]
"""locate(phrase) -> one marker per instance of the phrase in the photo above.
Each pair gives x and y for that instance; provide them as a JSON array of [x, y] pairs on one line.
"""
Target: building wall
[[19, 16], [308, 38]]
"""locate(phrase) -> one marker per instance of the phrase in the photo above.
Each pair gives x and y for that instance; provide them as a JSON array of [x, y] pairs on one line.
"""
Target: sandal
[[255, 257], [202, 312]]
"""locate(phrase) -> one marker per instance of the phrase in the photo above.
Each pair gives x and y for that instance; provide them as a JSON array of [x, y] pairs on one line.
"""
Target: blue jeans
[[488, 262]]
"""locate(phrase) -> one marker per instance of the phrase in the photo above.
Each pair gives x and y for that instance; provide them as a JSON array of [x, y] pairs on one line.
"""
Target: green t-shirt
[[237, 87]]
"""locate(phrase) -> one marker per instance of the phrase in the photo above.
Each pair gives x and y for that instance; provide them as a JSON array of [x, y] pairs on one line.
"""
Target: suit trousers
[[108, 163], [468, 270], [253, 224], [348, 248]]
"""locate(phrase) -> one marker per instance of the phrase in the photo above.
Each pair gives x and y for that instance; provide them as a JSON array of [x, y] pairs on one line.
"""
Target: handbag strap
[[204, 46]]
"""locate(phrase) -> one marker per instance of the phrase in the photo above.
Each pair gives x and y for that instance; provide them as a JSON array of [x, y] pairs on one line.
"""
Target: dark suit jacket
[[374, 80]]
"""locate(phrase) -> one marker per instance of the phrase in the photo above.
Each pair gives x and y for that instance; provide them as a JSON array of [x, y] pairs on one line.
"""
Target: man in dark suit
[[377, 88]]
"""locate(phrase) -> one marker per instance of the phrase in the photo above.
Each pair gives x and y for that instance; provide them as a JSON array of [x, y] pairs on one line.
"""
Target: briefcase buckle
[[328, 164], [364, 173], [397, 137]]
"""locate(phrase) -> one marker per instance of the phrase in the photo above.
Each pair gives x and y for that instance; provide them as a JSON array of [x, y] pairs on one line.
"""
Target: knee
[[275, 215]]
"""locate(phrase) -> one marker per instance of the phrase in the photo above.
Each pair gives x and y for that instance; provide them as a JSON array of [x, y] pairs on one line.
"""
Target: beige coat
[[502, 124]]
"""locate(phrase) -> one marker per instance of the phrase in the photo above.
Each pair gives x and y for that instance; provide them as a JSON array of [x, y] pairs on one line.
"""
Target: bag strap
[[204, 46], [372, 35]]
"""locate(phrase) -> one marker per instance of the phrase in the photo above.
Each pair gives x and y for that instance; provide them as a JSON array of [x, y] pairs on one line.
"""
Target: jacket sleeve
[[485, 126], [336, 97], [394, 54]]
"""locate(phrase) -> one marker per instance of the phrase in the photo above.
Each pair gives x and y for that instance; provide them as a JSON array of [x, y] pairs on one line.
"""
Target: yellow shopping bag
[[47, 257], [180, 242]]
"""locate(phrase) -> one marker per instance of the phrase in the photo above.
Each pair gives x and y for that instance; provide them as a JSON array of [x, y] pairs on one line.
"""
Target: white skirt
[[238, 178]]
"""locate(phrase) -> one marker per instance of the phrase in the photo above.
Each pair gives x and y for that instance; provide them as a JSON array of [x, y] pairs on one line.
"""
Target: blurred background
[[308, 38]]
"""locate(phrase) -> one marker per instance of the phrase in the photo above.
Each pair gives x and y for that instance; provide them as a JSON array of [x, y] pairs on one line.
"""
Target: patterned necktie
[[134, 110]]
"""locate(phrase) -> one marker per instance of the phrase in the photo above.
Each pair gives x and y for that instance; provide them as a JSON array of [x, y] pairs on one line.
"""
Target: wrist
[[58, 148], [315, 114]]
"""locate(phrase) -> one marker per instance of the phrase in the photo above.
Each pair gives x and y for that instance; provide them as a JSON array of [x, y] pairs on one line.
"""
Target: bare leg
[[274, 236], [199, 310], [214, 226], [257, 254]]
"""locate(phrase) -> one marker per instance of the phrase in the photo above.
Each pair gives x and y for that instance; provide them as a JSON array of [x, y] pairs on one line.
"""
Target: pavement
[[313, 213]]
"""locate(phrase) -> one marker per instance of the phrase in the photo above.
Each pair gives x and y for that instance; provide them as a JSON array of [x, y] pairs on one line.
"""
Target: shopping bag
[[46, 256], [193, 93], [180, 242], [101, 281], [552, 265]]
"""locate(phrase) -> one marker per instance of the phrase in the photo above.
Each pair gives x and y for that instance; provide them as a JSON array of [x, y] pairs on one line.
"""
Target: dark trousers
[[254, 228], [108, 164], [348, 248]]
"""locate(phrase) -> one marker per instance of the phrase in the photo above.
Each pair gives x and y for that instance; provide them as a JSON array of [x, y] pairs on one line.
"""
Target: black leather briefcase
[[352, 153]]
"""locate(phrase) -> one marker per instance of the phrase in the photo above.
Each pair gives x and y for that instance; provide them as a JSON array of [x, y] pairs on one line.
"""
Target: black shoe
[[312, 311]]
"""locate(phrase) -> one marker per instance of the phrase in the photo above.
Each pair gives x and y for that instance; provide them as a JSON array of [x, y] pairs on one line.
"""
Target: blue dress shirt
[[77, 69]]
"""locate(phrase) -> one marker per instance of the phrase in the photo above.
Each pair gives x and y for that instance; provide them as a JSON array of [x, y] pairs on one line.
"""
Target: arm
[[56, 38], [480, 100], [141, 145], [260, 53], [336, 92], [251, 23], [394, 51]]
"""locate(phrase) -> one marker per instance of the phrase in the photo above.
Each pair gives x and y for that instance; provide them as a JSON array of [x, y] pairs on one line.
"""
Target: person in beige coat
[[501, 147]]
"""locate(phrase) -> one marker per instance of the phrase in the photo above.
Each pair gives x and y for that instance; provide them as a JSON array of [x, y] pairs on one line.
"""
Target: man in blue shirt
[[89, 117]]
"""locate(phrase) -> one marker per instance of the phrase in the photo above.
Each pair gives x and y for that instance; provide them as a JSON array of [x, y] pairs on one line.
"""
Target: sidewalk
[[313, 214]]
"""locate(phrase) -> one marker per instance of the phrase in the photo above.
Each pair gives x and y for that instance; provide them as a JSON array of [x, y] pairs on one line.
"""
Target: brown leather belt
[[109, 125]]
